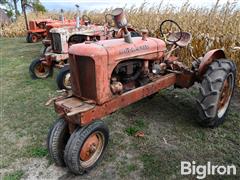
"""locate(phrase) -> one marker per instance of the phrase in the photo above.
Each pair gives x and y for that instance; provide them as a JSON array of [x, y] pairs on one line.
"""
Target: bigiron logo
[[202, 171]]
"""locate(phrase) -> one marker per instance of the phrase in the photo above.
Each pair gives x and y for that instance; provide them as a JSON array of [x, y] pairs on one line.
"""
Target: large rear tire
[[216, 91], [86, 146]]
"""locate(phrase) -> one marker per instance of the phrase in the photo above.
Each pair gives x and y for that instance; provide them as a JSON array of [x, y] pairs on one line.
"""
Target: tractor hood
[[116, 49], [90, 30], [92, 63]]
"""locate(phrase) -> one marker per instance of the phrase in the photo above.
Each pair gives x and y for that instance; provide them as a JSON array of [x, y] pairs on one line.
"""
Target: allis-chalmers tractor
[[109, 75], [38, 28], [57, 56]]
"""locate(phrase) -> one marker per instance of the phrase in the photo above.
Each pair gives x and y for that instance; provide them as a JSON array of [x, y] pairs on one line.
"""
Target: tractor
[[61, 39], [38, 28], [108, 75]]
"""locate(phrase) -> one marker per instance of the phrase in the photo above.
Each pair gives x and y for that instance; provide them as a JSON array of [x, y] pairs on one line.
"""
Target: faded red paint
[[209, 58], [106, 55], [41, 27], [92, 112]]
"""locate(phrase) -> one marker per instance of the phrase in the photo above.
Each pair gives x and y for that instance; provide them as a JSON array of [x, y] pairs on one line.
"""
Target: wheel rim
[[67, 81], [225, 95], [41, 71], [92, 149], [34, 38]]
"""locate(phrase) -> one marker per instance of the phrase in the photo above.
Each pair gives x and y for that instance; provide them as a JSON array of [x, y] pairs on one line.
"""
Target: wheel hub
[[89, 147], [41, 70], [67, 81], [225, 95]]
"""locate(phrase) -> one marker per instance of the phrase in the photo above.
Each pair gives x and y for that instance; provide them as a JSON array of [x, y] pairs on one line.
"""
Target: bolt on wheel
[[92, 149]]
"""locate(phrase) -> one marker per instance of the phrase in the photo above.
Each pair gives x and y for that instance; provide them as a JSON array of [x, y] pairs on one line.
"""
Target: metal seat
[[183, 42]]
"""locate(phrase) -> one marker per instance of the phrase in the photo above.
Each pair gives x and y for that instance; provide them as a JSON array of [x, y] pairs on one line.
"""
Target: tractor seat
[[183, 42]]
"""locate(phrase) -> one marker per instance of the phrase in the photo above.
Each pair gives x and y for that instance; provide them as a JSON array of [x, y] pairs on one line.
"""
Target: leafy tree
[[32, 4], [11, 7], [38, 7]]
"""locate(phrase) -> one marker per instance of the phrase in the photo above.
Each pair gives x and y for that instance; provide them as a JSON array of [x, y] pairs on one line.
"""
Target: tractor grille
[[56, 43], [83, 77]]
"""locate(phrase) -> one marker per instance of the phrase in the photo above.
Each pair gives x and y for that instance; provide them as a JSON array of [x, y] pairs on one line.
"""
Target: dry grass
[[217, 27]]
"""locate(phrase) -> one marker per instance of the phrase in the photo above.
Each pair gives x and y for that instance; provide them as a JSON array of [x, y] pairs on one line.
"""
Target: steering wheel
[[173, 37], [88, 18]]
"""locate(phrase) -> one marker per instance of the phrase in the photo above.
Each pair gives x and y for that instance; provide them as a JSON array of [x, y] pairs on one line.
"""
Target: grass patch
[[14, 175], [131, 167], [37, 152], [138, 125]]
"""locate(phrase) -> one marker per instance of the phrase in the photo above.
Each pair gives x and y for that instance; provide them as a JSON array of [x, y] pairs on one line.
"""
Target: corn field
[[216, 27]]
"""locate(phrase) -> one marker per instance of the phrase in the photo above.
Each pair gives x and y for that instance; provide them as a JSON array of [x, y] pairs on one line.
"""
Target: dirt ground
[[169, 122]]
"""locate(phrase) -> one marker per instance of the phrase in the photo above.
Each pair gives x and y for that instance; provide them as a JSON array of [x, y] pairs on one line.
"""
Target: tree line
[[11, 7]]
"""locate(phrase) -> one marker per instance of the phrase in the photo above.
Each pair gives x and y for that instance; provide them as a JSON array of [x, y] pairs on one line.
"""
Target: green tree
[[38, 7], [11, 7]]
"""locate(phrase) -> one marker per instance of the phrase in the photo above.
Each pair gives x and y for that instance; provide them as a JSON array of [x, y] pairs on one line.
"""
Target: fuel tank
[[92, 63]]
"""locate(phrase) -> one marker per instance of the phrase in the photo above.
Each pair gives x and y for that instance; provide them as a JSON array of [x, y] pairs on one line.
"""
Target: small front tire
[[57, 139], [38, 70], [63, 78], [86, 146]]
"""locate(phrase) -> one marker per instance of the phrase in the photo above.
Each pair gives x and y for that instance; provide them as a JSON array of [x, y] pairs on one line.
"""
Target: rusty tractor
[[85, 20], [57, 56], [38, 29], [111, 74]]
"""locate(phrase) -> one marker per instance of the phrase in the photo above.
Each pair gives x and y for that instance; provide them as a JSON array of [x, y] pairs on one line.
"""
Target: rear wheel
[[38, 70], [216, 92], [57, 139], [63, 78], [32, 38], [86, 147]]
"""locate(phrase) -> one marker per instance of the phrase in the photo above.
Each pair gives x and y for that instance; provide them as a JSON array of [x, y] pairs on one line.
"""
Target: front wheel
[[39, 70], [63, 78], [216, 91], [86, 147], [58, 136]]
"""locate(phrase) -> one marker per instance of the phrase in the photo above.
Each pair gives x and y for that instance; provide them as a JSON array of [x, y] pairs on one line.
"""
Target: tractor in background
[[60, 39], [38, 28]]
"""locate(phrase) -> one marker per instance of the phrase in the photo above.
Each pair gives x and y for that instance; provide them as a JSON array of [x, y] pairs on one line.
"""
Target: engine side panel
[[107, 55]]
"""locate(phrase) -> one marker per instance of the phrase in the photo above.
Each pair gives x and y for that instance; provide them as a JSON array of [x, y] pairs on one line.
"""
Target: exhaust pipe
[[78, 17], [62, 16], [120, 21]]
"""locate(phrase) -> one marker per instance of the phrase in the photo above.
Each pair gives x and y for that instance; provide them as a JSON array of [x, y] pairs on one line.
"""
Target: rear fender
[[208, 58]]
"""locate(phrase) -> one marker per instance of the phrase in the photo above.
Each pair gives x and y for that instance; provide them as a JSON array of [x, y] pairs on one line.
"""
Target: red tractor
[[38, 28], [60, 39], [109, 75]]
